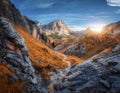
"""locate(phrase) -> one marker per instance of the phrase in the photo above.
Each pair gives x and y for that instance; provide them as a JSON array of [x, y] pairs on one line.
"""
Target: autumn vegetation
[[7, 84], [43, 58]]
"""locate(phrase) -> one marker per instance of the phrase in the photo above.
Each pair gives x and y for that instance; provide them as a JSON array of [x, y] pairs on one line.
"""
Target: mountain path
[[61, 73]]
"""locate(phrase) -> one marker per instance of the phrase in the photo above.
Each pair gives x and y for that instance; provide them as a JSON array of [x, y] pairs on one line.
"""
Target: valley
[[52, 58]]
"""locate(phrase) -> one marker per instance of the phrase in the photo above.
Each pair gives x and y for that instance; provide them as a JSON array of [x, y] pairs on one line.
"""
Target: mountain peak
[[56, 26], [57, 23]]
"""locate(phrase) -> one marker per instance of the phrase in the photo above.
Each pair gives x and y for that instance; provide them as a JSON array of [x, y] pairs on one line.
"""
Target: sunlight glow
[[97, 27]]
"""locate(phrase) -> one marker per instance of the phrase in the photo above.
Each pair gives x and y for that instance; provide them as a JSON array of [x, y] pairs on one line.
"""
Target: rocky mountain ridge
[[8, 10], [14, 54]]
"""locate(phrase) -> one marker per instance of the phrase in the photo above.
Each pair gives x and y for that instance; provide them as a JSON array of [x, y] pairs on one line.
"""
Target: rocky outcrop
[[53, 32], [78, 50], [32, 27], [9, 11], [98, 76], [14, 53]]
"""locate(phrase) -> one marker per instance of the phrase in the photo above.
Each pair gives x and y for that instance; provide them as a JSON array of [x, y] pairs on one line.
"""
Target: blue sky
[[75, 13]]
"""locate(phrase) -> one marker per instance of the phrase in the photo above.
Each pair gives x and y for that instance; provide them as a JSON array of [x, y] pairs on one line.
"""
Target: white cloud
[[113, 2], [77, 28], [37, 4], [46, 5]]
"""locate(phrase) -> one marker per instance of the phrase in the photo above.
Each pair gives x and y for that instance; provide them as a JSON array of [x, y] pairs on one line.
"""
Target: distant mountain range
[[88, 41]]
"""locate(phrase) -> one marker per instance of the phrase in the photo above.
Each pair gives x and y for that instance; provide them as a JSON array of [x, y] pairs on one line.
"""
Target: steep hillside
[[17, 74], [43, 58], [9, 11], [113, 28]]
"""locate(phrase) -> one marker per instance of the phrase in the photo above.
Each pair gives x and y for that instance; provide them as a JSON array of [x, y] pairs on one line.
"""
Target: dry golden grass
[[99, 43], [39, 53], [101, 54], [43, 58], [4, 70], [94, 44], [6, 86], [74, 59]]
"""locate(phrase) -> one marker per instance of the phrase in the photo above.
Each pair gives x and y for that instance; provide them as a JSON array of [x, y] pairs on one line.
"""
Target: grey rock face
[[17, 57], [101, 76], [8, 10], [117, 48], [56, 26], [32, 27], [78, 50]]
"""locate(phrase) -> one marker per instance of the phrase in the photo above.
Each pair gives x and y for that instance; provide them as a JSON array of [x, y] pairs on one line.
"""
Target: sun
[[97, 28]]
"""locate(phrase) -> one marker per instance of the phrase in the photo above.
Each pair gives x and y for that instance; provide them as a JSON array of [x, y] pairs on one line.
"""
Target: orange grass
[[6, 84]]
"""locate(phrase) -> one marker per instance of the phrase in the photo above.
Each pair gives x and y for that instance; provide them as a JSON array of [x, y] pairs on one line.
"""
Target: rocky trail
[[60, 73], [58, 76]]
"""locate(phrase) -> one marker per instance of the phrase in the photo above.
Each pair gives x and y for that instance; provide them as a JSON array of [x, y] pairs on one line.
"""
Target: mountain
[[88, 31], [57, 26], [99, 73], [27, 65], [20, 66], [8, 10], [29, 29], [53, 32]]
